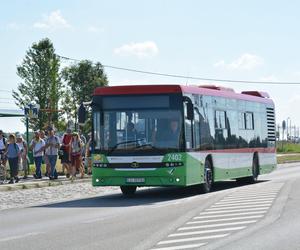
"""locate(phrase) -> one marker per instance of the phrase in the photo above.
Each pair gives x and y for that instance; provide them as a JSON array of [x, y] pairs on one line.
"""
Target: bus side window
[[197, 129]]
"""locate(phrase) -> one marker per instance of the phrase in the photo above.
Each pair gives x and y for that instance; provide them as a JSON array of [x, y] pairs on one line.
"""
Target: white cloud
[[53, 21], [94, 29], [244, 62], [141, 50]]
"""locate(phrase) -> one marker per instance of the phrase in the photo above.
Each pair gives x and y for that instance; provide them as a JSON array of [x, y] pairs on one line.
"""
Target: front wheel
[[128, 190]]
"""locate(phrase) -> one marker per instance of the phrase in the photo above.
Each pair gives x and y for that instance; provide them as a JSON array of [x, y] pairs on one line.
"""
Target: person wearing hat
[[23, 153], [52, 147], [37, 146]]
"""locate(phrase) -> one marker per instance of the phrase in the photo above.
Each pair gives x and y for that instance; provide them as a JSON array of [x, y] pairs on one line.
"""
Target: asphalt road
[[265, 215]]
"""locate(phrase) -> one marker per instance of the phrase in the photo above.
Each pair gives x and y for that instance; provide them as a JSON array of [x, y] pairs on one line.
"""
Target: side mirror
[[81, 114], [190, 111]]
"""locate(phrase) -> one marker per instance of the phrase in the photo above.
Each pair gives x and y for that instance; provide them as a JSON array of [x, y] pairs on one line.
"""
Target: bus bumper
[[158, 177]]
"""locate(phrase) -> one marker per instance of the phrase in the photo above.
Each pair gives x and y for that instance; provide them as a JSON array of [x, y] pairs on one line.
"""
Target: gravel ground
[[38, 196]]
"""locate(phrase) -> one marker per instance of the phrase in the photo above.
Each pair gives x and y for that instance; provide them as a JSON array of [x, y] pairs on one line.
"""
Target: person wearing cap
[[23, 153], [65, 147], [37, 146], [75, 155], [52, 147]]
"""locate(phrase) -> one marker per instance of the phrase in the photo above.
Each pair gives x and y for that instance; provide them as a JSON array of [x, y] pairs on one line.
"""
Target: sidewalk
[[30, 183]]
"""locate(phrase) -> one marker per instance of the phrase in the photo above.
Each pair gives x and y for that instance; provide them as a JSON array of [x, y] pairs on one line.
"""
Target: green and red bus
[[173, 135]]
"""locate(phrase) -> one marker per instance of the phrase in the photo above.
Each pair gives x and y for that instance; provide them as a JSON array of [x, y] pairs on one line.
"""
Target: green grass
[[285, 147], [288, 158]]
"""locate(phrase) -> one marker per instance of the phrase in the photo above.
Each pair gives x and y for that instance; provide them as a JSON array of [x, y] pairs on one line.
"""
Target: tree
[[81, 80], [41, 82]]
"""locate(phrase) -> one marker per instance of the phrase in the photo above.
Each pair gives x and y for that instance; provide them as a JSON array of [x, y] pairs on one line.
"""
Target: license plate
[[135, 180]]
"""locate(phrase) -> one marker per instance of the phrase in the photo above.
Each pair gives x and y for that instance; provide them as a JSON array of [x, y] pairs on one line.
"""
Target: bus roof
[[210, 90]]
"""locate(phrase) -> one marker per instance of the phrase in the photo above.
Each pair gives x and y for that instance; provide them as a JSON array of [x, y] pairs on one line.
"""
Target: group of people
[[47, 147]]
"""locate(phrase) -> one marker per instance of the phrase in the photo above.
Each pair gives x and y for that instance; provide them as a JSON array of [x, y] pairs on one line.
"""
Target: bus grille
[[271, 124]]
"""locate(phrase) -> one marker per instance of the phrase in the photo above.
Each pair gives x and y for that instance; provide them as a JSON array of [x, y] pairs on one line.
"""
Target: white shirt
[[37, 146]]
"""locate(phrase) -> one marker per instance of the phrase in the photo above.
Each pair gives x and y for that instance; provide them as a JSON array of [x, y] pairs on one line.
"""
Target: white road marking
[[224, 219], [236, 207], [242, 201], [245, 204], [250, 196], [17, 237], [227, 215], [236, 210], [193, 239], [217, 225], [181, 247], [208, 231], [225, 204]]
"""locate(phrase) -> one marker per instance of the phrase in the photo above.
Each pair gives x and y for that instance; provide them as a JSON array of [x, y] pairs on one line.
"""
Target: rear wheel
[[255, 172], [128, 190], [208, 177]]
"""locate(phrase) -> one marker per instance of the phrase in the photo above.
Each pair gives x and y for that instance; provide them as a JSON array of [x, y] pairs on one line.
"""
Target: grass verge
[[288, 158]]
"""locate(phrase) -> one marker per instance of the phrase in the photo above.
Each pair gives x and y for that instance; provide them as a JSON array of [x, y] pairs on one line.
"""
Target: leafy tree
[[81, 80], [41, 82]]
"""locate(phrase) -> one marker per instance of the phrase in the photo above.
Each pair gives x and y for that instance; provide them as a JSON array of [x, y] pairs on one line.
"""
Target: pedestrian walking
[[37, 146], [52, 147], [13, 154], [65, 148], [43, 136], [23, 152], [75, 153]]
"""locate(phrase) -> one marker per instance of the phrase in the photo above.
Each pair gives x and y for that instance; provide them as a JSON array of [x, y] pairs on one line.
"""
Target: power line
[[186, 77]]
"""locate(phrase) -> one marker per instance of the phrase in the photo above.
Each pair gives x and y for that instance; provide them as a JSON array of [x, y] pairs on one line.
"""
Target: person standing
[[46, 161], [75, 153], [23, 151], [3, 144], [65, 147], [13, 154], [37, 146], [52, 147]]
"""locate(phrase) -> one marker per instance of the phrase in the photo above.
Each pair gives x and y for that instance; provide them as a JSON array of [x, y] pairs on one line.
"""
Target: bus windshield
[[137, 131]]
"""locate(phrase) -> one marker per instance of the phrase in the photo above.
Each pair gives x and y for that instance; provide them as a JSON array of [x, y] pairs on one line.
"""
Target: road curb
[[42, 184]]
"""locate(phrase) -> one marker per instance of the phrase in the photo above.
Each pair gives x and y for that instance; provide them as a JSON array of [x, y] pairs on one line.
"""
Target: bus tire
[[128, 190], [255, 172], [208, 177]]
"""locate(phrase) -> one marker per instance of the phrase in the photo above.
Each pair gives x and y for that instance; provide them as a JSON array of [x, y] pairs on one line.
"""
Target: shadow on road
[[142, 197]]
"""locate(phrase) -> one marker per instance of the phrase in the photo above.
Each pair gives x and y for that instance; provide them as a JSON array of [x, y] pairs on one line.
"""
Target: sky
[[240, 40]]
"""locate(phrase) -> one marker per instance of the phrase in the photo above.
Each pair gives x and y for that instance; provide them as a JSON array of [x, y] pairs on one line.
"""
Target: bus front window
[[141, 131]]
